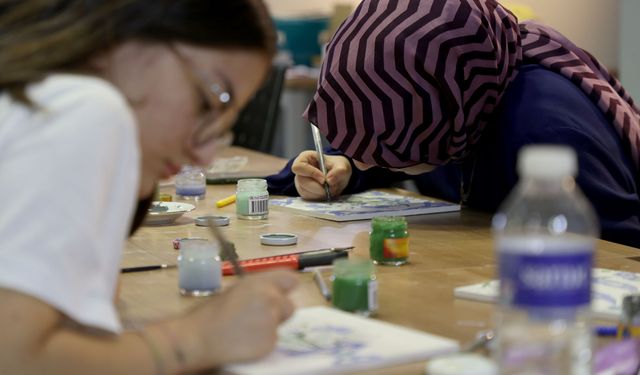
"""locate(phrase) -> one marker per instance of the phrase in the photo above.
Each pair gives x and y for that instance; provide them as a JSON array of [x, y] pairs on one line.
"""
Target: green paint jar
[[389, 240], [355, 288], [252, 199]]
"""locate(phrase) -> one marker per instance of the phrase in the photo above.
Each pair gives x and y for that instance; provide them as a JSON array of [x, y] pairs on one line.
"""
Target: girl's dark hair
[[38, 37]]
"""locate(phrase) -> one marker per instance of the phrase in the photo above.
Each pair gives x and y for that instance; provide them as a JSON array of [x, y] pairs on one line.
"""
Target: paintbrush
[[317, 142], [228, 251]]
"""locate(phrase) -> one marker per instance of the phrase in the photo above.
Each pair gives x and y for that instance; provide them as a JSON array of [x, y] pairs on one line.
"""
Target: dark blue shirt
[[539, 106]]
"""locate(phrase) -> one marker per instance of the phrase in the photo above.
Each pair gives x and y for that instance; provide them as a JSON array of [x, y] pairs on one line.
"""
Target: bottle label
[[259, 204], [546, 280], [395, 248]]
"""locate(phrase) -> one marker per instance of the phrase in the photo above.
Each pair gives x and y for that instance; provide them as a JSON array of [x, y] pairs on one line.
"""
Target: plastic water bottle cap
[[461, 364], [547, 161]]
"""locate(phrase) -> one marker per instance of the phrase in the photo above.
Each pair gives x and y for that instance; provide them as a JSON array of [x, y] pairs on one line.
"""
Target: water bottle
[[191, 183], [545, 235]]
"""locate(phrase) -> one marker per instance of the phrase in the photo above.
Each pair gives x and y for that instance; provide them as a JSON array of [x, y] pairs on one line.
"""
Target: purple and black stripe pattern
[[408, 82], [547, 47]]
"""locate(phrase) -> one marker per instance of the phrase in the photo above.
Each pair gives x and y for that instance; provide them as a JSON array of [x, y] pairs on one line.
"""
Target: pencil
[[226, 201], [317, 142]]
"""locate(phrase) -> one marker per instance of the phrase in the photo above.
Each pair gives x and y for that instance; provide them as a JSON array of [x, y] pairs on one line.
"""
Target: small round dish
[[278, 239], [166, 212], [205, 221]]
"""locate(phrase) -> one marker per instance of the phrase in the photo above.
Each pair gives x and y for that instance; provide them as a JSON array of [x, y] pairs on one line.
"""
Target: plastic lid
[[461, 364], [547, 161]]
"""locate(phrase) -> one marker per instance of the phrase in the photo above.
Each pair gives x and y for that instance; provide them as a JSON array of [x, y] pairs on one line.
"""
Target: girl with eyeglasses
[[99, 99]]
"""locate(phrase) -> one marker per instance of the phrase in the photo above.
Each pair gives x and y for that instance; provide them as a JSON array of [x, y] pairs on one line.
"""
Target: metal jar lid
[[278, 239], [219, 221]]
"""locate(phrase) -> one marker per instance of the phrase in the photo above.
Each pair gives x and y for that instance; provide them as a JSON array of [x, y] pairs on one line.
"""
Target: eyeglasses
[[216, 98]]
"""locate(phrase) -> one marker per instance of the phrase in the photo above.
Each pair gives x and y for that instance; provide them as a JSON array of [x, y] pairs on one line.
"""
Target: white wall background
[[591, 24], [287, 8], [630, 47]]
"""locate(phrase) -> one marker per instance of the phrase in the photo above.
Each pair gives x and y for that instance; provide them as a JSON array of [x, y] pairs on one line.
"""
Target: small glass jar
[[355, 288], [389, 240], [191, 183], [252, 199], [199, 269]]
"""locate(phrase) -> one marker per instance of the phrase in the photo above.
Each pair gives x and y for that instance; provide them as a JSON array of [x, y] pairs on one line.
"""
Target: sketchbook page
[[608, 289], [323, 340], [364, 206]]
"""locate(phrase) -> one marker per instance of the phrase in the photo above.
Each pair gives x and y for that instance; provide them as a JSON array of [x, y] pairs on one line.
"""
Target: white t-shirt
[[69, 175]]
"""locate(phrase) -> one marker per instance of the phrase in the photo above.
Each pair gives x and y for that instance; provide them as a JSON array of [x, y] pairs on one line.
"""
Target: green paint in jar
[[355, 288], [252, 199], [389, 240]]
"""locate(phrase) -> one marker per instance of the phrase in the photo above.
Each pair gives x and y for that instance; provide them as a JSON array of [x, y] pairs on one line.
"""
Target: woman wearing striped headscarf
[[455, 88]]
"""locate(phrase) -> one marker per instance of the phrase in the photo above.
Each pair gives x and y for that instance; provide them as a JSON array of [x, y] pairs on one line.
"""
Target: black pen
[[147, 268]]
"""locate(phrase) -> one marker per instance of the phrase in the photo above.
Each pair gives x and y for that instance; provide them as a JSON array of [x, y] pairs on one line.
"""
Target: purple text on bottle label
[[558, 280]]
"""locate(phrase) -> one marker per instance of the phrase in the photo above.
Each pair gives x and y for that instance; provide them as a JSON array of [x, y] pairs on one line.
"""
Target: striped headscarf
[[408, 82]]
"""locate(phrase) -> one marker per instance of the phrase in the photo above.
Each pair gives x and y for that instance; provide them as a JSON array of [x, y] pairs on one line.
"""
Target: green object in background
[[301, 37], [355, 288], [389, 240]]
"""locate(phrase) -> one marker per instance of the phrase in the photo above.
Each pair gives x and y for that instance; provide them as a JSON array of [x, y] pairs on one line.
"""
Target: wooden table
[[446, 251]]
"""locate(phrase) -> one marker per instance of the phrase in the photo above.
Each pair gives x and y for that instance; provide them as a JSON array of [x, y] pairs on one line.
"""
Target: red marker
[[290, 261]]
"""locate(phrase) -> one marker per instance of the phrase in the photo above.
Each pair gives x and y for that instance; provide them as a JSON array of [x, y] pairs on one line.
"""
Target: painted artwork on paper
[[340, 343], [322, 340], [364, 206], [608, 289]]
